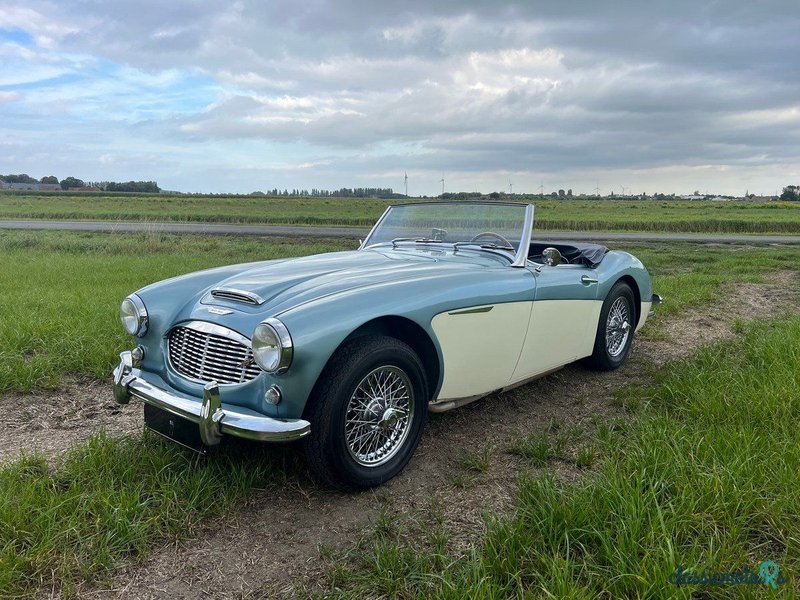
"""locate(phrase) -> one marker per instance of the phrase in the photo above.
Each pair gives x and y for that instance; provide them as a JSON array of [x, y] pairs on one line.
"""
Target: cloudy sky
[[246, 95]]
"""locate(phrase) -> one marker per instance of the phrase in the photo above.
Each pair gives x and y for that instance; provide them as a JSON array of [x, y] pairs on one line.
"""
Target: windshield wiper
[[417, 240], [457, 245]]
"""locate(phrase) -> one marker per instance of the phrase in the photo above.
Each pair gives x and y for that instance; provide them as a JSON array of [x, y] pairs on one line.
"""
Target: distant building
[[35, 187]]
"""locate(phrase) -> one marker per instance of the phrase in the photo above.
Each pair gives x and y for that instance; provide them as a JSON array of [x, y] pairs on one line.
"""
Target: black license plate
[[174, 428]]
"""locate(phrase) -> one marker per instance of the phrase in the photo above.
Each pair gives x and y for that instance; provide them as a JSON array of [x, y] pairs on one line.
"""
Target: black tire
[[326, 449], [602, 359]]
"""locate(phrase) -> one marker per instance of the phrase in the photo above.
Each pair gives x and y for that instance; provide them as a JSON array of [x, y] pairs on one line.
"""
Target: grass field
[[703, 477], [60, 292], [569, 215]]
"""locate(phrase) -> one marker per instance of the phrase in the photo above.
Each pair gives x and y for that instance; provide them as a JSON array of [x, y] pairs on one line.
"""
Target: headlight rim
[[141, 311], [286, 353]]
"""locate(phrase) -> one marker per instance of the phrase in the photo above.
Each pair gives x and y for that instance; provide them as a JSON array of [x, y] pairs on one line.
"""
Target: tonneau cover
[[577, 253]]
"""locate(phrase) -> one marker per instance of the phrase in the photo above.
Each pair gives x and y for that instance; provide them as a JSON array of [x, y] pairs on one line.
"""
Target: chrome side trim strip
[[472, 311]]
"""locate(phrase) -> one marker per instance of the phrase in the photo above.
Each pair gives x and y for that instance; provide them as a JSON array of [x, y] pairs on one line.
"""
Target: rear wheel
[[367, 413], [615, 329]]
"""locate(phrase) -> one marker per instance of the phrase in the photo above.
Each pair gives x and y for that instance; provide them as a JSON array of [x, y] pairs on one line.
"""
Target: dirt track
[[270, 546]]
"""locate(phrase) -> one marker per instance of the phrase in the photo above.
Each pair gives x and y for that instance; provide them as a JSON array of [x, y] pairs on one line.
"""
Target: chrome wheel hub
[[618, 327], [379, 416]]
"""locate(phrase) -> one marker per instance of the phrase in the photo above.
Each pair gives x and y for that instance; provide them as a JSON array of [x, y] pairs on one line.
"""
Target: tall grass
[[112, 499], [60, 293], [705, 477], [570, 215]]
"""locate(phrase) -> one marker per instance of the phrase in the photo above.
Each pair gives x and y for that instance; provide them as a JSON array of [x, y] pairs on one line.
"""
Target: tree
[[49, 179], [22, 178], [561, 193], [71, 182], [791, 193], [569, 193]]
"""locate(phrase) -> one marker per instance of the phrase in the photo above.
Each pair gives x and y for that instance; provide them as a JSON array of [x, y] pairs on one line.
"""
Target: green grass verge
[[570, 215], [704, 477], [60, 293], [114, 498]]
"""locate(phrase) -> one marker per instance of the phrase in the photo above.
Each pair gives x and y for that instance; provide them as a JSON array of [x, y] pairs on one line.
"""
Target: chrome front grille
[[207, 352]]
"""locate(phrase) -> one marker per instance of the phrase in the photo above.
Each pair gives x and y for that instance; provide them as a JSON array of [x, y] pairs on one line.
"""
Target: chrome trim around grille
[[236, 295], [204, 352]]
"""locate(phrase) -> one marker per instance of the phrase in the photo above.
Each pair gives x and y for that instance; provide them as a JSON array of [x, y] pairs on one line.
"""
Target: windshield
[[486, 224]]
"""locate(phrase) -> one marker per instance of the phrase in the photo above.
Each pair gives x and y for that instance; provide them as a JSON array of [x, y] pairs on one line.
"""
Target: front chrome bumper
[[212, 419]]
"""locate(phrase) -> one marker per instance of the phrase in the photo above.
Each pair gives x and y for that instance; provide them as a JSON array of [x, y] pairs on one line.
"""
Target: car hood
[[284, 285]]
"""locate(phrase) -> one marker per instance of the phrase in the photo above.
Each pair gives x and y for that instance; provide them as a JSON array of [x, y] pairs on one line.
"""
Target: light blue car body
[[325, 300]]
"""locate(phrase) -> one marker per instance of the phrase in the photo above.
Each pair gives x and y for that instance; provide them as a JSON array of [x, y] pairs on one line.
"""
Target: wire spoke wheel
[[618, 326], [379, 416]]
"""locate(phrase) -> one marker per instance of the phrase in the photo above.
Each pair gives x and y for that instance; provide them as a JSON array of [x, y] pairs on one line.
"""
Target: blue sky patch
[[16, 36]]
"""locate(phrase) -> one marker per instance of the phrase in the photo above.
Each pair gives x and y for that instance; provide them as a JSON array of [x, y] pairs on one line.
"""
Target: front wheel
[[367, 413], [615, 329]]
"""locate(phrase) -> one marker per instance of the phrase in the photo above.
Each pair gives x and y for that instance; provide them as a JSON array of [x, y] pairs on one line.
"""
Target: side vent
[[237, 296]]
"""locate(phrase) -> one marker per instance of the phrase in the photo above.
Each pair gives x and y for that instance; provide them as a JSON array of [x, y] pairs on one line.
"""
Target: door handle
[[586, 280]]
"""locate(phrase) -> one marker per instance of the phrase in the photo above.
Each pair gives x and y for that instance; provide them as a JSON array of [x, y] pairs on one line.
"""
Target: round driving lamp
[[133, 315], [272, 346]]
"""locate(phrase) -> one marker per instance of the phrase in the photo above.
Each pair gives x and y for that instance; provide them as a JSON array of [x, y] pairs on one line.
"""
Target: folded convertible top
[[577, 253]]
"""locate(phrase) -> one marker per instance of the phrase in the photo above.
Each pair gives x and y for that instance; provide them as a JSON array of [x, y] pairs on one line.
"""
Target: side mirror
[[552, 257]]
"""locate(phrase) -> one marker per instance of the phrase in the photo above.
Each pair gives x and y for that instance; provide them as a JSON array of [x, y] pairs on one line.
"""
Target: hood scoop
[[236, 295]]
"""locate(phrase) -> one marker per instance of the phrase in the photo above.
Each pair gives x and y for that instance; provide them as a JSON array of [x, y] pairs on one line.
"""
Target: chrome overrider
[[212, 419]]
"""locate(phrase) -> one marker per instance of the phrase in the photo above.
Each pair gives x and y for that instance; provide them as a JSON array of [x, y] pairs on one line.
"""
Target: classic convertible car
[[442, 303]]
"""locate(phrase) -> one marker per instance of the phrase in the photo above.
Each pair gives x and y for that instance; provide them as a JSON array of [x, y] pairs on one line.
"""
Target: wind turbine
[[541, 189], [510, 188], [597, 189], [442, 180], [405, 181]]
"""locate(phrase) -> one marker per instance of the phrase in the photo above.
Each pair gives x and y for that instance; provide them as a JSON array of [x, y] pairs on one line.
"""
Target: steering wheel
[[494, 235]]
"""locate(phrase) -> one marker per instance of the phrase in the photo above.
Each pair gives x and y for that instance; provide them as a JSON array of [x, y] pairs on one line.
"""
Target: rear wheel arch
[[637, 296]]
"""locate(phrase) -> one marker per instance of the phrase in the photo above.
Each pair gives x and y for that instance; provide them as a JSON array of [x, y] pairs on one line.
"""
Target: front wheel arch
[[408, 332]]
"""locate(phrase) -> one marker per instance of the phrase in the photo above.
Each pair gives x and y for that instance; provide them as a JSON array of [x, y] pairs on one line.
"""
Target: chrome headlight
[[272, 346], [133, 315]]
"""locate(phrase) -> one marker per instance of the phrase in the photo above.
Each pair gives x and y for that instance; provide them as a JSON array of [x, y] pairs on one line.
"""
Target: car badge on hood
[[219, 311]]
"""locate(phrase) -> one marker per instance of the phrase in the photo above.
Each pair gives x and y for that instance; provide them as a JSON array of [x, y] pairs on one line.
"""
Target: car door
[[563, 319]]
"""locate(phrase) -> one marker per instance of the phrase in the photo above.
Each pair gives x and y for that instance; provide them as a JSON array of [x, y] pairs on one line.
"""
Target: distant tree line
[[791, 193], [149, 187], [23, 178], [340, 193]]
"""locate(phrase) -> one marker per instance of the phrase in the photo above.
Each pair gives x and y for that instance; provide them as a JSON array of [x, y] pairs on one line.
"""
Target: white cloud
[[347, 92]]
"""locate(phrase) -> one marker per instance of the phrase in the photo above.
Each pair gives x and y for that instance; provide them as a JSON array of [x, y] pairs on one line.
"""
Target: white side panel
[[644, 314], [480, 349], [560, 331]]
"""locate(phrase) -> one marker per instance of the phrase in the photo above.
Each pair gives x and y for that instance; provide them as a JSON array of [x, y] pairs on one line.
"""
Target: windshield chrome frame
[[521, 257]]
